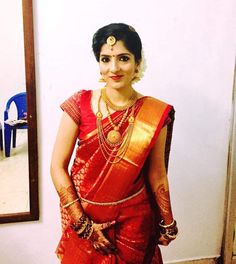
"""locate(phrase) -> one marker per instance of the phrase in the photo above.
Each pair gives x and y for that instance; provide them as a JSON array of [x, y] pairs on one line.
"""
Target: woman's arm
[[63, 149], [159, 182]]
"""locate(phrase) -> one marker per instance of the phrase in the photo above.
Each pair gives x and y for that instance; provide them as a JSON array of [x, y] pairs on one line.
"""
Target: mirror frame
[[33, 214]]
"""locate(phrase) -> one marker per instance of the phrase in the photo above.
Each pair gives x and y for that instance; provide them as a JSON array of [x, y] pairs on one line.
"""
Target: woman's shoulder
[[168, 108], [82, 92], [79, 95]]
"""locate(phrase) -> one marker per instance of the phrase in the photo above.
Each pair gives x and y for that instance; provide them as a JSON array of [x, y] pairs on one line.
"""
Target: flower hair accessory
[[141, 69], [111, 41]]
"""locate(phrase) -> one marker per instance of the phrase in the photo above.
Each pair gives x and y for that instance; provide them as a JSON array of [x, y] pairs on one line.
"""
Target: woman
[[115, 205]]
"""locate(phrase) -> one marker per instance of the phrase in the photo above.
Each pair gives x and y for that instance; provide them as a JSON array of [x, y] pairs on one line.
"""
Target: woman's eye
[[104, 59], [124, 58]]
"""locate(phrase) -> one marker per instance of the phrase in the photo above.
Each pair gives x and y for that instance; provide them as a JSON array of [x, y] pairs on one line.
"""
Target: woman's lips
[[116, 77]]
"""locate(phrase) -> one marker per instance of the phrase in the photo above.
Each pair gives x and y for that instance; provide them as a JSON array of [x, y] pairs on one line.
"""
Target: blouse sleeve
[[72, 106], [169, 123], [170, 118]]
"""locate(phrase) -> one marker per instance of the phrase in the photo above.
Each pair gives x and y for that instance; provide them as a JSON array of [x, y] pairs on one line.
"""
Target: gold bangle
[[80, 225], [168, 236], [70, 203], [86, 234], [90, 232], [170, 233], [172, 224], [81, 230]]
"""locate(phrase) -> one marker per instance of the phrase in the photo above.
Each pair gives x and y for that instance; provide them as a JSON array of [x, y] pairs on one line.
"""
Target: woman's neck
[[119, 96]]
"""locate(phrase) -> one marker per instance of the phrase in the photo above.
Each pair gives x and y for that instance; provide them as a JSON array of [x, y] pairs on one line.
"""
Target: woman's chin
[[118, 85]]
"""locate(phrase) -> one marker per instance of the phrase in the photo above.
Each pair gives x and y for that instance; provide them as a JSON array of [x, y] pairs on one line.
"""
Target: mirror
[[19, 164]]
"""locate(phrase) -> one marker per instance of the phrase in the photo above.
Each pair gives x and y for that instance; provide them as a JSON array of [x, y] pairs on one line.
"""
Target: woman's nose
[[115, 66]]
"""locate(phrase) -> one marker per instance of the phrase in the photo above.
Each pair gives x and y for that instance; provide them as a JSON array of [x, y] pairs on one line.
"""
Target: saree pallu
[[102, 186]]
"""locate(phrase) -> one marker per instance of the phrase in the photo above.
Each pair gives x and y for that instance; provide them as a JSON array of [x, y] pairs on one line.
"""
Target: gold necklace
[[114, 135], [130, 102], [114, 152]]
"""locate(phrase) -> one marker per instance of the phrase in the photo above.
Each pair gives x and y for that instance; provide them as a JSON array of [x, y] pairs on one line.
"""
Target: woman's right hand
[[99, 241]]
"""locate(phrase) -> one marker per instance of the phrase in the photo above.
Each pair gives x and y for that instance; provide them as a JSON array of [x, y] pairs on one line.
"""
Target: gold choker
[[130, 102]]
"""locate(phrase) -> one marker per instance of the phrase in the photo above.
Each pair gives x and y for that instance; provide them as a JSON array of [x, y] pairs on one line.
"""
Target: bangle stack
[[169, 231], [86, 234], [83, 227]]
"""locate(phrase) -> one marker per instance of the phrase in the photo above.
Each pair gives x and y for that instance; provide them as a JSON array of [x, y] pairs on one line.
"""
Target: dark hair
[[122, 32]]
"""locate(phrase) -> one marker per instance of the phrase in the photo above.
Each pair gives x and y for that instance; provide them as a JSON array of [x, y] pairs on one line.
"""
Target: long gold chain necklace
[[114, 150], [114, 135], [108, 102]]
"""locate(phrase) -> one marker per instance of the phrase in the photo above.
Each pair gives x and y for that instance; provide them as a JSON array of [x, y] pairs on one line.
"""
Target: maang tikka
[[111, 41]]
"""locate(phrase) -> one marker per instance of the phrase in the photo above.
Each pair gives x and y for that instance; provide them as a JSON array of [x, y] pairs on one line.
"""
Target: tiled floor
[[14, 190]]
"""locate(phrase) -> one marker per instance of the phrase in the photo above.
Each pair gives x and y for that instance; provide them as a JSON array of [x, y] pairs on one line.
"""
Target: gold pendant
[[114, 136]]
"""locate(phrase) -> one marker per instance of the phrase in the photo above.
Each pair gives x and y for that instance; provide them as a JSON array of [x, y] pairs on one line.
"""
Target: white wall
[[190, 53]]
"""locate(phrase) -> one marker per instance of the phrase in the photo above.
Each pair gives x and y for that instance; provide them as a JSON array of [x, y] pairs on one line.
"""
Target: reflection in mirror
[[18, 130]]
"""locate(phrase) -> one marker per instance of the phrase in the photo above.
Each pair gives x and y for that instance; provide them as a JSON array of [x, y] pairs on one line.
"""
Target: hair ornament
[[132, 29], [111, 41]]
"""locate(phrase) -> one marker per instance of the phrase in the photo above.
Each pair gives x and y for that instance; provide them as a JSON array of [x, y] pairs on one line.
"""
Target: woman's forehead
[[117, 48]]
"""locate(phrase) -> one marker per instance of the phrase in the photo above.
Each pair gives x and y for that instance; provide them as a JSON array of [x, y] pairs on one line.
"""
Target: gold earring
[[101, 80], [137, 77]]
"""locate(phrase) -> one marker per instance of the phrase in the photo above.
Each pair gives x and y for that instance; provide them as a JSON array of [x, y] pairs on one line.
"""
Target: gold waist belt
[[112, 203]]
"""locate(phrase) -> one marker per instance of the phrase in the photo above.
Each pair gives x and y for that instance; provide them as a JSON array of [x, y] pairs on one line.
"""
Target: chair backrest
[[21, 105]]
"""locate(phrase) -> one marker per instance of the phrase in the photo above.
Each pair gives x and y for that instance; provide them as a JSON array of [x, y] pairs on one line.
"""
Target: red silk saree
[[115, 191]]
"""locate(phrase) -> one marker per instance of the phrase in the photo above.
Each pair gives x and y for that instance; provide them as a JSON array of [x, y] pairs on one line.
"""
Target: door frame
[[230, 203]]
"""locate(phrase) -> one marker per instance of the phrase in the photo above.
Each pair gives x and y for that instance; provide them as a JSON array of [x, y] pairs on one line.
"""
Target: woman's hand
[[87, 229], [167, 233], [163, 241], [100, 243]]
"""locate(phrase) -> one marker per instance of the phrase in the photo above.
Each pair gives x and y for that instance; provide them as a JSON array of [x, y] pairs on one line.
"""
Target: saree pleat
[[97, 180]]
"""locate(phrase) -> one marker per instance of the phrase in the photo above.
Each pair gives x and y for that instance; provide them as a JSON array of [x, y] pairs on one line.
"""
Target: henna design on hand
[[68, 195], [100, 242], [163, 200]]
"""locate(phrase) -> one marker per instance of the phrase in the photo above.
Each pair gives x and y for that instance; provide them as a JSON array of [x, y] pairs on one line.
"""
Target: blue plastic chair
[[9, 129]]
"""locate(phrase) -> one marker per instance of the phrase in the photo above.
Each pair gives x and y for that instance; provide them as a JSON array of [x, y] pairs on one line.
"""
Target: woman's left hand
[[163, 241]]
